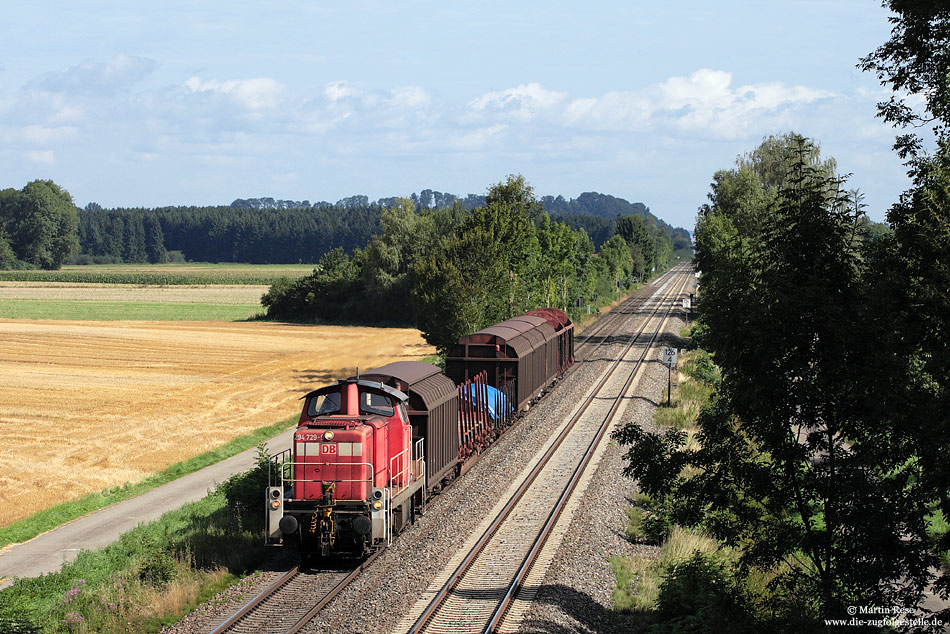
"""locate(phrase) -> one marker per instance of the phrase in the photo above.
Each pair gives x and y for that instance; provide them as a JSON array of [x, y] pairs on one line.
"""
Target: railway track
[[600, 331], [486, 577], [291, 601]]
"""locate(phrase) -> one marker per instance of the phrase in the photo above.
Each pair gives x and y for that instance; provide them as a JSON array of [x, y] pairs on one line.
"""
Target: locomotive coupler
[[322, 524]]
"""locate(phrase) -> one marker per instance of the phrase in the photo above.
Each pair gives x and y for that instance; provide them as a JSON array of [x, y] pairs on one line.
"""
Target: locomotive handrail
[[276, 466], [368, 480], [419, 466], [393, 474]]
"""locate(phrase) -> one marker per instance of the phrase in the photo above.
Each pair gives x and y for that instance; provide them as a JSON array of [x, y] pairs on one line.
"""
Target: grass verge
[[30, 527], [687, 583], [90, 310], [151, 577], [639, 578]]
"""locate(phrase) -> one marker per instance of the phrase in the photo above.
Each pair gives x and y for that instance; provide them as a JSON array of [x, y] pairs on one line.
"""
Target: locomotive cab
[[353, 476]]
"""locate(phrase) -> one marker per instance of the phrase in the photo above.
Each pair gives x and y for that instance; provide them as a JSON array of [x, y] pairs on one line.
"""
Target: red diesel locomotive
[[369, 450]]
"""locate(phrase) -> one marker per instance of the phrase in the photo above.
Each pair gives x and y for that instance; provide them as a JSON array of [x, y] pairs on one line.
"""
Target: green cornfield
[[163, 275]]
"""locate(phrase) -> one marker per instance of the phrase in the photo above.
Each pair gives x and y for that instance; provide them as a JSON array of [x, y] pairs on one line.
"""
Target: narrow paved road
[[48, 552]]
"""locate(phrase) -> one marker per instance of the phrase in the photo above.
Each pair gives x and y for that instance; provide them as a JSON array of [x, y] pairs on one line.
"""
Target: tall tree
[[41, 221], [791, 466], [494, 253], [642, 245], [911, 267], [154, 240]]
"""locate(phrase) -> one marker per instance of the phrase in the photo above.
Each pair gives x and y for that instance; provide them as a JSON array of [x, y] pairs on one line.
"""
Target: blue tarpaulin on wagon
[[498, 405]]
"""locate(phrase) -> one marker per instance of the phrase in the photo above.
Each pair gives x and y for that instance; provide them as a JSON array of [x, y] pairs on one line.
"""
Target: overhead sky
[[198, 103]]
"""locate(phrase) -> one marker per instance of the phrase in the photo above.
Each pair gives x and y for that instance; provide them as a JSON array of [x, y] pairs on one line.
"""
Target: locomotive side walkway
[[48, 552]]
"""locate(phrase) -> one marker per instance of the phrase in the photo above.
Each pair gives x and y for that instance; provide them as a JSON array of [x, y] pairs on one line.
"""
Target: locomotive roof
[[376, 385]]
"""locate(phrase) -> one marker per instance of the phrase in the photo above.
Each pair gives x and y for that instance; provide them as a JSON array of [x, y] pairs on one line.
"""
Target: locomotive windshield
[[321, 404], [372, 403]]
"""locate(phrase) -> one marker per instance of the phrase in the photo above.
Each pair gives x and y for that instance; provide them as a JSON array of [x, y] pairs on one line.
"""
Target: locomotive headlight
[[377, 505], [328, 435], [275, 504]]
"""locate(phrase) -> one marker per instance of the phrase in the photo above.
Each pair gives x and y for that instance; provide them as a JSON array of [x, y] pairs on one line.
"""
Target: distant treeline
[[451, 271], [269, 231], [223, 234]]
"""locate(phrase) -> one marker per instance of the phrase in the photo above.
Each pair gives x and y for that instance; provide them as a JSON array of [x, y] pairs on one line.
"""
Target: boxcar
[[521, 356], [564, 330]]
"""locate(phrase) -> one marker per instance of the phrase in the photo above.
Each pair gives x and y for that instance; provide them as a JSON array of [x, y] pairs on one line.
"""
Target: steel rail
[[555, 514], [296, 627], [453, 579], [635, 302], [261, 599], [256, 601]]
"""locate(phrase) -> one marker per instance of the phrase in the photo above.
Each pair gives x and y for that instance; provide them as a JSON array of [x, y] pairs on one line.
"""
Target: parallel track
[[600, 331], [483, 581]]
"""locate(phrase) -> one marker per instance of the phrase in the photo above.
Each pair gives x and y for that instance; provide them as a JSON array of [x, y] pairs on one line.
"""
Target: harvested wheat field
[[78, 291], [88, 405]]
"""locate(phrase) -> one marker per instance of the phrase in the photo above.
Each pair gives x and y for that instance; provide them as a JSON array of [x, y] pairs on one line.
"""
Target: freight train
[[370, 450]]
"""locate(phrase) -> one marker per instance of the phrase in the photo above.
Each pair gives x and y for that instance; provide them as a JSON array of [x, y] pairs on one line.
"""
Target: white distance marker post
[[669, 359]]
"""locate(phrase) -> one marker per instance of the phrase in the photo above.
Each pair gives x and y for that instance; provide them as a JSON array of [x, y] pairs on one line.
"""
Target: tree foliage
[[38, 225], [910, 265], [793, 466], [452, 270], [915, 61]]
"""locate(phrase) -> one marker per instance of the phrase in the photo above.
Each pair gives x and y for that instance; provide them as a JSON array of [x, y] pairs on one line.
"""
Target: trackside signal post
[[669, 359]]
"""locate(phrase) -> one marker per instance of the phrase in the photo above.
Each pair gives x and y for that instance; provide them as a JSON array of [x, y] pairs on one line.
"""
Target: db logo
[[328, 449]]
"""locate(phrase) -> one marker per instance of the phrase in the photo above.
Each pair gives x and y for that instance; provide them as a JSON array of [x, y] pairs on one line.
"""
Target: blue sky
[[179, 103]]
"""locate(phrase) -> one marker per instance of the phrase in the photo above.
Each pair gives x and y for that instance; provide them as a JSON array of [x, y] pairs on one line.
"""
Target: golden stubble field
[[87, 405]]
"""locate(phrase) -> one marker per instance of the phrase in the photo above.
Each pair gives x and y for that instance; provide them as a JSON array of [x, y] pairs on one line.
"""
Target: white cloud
[[44, 135], [338, 90], [522, 102], [254, 94], [46, 157], [97, 77], [409, 97], [703, 103]]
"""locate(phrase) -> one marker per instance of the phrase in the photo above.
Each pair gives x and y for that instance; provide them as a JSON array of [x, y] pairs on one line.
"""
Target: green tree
[[615, 256], [915, 61], [329, 293], [791, 466], [445, 309], [41, 221], [154, 240], [494, 253], [391, 259], [7, 256], [133, 244], [557, 263], [643, 247], [910, 267]]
